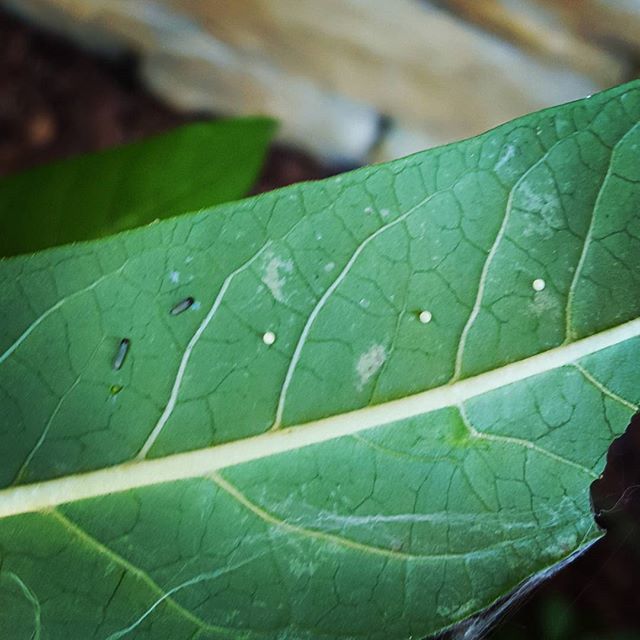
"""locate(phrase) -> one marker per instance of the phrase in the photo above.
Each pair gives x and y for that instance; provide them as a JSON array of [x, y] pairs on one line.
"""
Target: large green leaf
[[194, 166], [376, 471]]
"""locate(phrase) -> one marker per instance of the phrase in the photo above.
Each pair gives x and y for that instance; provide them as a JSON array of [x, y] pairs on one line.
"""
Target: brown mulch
[[57, 101]]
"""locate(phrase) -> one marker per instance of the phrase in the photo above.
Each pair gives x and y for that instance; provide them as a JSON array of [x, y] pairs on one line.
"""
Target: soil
[[57, 101]]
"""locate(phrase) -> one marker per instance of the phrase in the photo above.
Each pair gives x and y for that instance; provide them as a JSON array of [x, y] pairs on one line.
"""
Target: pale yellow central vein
[[203, 462]]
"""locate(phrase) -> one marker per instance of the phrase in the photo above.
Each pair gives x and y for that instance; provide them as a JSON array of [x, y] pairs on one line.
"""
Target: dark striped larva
[[183, 305], [121, 354]]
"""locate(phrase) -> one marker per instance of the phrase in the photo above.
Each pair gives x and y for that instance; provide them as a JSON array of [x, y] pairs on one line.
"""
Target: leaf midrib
[[203, 462]]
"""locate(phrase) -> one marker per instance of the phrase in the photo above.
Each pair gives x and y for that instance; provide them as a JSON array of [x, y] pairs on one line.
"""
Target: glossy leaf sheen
[[195, 166], [451, 455]]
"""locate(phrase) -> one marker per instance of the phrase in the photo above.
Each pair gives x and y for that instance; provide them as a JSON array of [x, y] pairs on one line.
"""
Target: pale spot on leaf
[[369, 364], [506, 156], [274, 275]]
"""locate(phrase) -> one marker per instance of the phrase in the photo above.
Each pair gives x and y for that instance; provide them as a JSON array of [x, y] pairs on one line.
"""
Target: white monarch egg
[[121, 354], [538, 284]]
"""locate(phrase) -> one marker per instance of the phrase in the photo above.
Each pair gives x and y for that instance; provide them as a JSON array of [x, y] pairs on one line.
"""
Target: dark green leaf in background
[[195, 166]]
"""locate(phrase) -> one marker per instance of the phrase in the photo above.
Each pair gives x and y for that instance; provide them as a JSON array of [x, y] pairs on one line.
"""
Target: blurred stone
[[330, 70]]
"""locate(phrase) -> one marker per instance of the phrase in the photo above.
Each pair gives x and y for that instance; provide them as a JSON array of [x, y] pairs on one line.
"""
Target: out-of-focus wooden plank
[[412, 62], [327, 70], [613, 23], [536, 28]]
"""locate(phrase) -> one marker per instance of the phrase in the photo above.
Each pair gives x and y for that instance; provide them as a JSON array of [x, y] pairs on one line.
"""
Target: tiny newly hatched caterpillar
[[183, 305], [121, 354]]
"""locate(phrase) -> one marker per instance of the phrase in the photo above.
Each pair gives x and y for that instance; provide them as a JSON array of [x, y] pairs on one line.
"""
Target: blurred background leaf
[[195, 166]]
